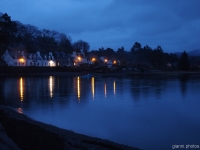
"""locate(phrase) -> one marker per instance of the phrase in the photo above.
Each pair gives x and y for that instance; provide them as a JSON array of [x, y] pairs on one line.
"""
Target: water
[[149, 112]]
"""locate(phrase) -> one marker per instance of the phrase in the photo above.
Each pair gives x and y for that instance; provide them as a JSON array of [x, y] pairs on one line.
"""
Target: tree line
[[24, 37], [144, 58], [17, 36]]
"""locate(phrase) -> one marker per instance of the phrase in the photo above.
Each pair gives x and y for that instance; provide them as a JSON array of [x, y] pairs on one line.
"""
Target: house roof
[[36, 56], [17, 55]]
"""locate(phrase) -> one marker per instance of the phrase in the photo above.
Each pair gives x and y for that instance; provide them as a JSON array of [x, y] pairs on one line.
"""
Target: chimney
[[38, 53]]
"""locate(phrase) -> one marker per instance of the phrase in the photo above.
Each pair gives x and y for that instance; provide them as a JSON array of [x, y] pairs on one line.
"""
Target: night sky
[[173, 24]]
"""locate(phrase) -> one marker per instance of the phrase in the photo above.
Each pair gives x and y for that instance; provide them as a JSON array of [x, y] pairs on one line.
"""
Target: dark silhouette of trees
[[109, 52], [16, 36], [157, 58], [173, 57], [184, 63], [64, 44], [7, 31], [121, 50], [137, 46], [123, 56], [81, 46], [20, 37]]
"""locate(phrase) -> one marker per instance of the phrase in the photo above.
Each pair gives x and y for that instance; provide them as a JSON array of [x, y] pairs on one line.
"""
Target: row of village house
[[20, 58]]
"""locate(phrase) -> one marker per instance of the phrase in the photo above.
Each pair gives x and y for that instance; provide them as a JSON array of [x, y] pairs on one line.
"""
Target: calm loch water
[[148, 112]]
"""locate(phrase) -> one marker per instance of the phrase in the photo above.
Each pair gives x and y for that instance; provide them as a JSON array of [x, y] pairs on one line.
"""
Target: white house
[[14, 58], [109, 62], [28, 59], [49, 60], [79, 58]]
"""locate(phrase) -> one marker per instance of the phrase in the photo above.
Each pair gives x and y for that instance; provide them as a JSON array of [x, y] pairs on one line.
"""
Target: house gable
[[8, 58]]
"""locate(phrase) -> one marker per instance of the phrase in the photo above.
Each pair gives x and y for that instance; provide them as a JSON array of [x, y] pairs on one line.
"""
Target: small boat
[[86, 76]]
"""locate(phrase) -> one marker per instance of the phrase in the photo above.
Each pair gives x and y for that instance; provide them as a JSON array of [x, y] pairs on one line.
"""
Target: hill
[[190, 53]]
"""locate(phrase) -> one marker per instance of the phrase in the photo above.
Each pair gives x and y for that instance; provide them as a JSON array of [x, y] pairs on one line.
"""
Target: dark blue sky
[[173, 24]]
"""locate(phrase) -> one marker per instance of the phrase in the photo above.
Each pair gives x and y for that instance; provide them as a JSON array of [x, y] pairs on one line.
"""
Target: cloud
[[115, 23]]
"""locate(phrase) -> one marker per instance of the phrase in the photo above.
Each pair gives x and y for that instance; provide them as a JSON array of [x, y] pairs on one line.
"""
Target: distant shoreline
[[30, 134], [109, 74], [71, 71]]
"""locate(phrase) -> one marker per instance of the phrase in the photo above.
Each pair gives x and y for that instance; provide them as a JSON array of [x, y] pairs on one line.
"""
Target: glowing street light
[[114, 62], [51, 63], [105, 60], [79, 58], [21, 60], [93, 59]]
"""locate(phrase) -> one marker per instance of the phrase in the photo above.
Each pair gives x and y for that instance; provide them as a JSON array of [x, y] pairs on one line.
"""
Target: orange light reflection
[[105, 90], [51, 86], [114, 87], [78, 89], [92, 80], [21, 89], [20, 110]]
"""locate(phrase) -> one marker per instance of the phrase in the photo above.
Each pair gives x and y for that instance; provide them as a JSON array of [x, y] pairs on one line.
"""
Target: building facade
[[28, 59], [20, 58]]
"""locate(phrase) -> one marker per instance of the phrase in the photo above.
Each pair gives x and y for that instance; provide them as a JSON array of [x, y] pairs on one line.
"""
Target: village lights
[[21, 60], [114, 62], [79, 58], [93, 59], [105, 60], [51, 63]]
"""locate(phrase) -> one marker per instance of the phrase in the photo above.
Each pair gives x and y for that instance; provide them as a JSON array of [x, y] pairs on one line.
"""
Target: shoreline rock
[[32, 134], [5, 142]]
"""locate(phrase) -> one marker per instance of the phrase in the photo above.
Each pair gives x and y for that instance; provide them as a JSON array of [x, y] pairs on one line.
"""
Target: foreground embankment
[[29, 134]]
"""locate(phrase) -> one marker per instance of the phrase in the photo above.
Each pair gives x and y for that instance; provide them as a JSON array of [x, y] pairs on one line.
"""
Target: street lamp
[[79, 58], [21, 60], [51, 63]]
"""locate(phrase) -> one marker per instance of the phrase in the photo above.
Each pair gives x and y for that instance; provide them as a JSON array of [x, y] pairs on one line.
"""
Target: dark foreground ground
[[29, 134]]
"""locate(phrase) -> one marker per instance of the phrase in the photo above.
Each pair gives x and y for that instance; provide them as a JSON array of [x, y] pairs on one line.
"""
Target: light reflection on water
[[143, 112], [51, 86], [93, 89], [105, 90], [21, 89], [78, 89], [114, 87], [20, 110]]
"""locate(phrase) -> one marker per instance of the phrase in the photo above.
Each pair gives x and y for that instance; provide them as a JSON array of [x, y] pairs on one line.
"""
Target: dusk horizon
[[113, 24]]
